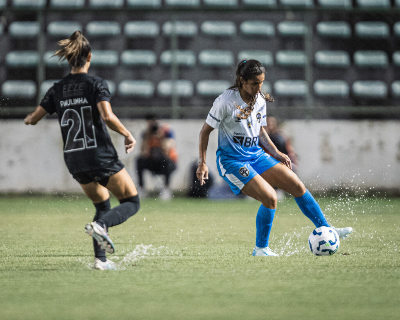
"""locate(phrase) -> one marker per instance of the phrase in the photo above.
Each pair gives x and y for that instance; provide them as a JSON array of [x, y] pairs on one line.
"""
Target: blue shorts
[[237, 173]]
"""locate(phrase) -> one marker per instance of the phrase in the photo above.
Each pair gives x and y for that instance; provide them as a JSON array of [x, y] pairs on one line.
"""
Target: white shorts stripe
[[221, 167], [233, 179]]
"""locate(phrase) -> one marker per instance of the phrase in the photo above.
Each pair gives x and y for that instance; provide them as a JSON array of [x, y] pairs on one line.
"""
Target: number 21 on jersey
[[73, 123]]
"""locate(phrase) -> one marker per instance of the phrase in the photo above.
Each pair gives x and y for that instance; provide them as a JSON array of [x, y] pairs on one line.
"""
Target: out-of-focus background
[[332, 67]]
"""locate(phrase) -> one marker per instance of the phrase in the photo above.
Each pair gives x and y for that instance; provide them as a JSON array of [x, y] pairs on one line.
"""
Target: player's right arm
[[35, 116], [202, 169]]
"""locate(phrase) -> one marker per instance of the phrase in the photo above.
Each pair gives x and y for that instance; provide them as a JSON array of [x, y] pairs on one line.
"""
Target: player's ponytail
[[75, 49]]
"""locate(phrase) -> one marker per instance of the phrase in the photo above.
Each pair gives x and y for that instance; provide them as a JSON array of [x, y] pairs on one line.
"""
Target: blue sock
[[264, 219], [311, 209]]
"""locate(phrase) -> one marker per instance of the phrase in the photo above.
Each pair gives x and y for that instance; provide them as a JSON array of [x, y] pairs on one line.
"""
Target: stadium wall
[[362, 155]]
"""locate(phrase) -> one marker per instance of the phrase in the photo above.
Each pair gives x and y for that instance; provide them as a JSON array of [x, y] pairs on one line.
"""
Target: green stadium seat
[[265, 57], [291, 29], [3, 3], [182, 28], [185, 58], [330, 59], [216, 58], [396, 89], [257, 28], [115, 4], [143, 4], [1, 29], [371, 59], [184, 88], [104, 58], [67, 4], [334, 29], [290, 58], [396, 29], [396, 58], [397, 3], [103, 29], [29, 4], [53, 61], [219, 28], [291, 88], [372, 29], [111, 86], [182, 3], [373, 4], [22, 59], [297, 3], [266, 87], [136, 88], [221, 3], [212, 88], [23, 29], [335, 4], [260, 3], [141, 29], [45, 86], [19, 89], [331, 88], [138, 58], [370, 89], [63, 28]]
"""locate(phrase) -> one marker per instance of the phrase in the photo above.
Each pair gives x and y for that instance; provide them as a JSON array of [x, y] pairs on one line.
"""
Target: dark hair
[[75, 49]]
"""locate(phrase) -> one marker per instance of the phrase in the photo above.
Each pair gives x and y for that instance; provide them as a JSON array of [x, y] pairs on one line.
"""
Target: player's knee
[[298, 189], [270, 200], [133, 202]]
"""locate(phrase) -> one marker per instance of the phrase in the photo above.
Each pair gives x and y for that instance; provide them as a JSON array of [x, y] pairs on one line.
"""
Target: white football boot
[[343, 232], [107, 265], [263, 252], [97, 232]]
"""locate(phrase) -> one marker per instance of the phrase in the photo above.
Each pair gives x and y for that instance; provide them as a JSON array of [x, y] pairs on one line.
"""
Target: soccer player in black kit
[[82, 103]]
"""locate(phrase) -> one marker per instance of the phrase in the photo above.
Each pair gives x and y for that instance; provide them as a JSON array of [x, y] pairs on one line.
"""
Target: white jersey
[[237, 138]]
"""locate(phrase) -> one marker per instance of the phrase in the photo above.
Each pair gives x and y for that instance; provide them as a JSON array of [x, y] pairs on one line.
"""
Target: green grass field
[[191, 259]]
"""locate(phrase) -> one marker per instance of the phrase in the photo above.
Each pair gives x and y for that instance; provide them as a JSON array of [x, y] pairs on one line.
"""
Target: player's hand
[[284, 158], [130, 143], [202, 173], [28, 120]]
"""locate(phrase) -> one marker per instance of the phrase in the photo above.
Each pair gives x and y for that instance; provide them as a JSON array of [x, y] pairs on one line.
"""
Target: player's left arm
[[265, 141], [35, 116]]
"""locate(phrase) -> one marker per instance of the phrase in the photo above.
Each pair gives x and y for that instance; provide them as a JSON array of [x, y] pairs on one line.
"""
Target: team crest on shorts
[[244, 172]]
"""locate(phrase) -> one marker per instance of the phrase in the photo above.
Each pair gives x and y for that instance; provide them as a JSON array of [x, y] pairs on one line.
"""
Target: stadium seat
[[297, 3], [104, 58], [143, 4], [52, 61], [331, 88], [265, 57], [371, 59], [141, 29], [372, 29], [3, 4], [337, 58], [22, 59], [373, 4], [370, 89], [45, 86], [63, 28], [138, 58], [335, 4], [111, 86], [36, 4], [219, 28], [291, 88], [19, 89], [291, 29], [136, 88], [397, 3], [23, 29], [266, 87], [221, 3], [182, 3], [216, 58], [103, 29], [184, 88], [396, 58], [396, 89], [334, 29], [212, 88], [257, 28], [1, 29], [106, 4], [182, 28], [260, 3], [290, 58], [67, 4], [185, 58], [396, 29]]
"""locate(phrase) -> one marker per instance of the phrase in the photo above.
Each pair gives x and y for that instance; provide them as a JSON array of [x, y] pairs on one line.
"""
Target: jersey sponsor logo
[[73, 102], [247, 142], [244, 172], [258, 116], [70, 90]]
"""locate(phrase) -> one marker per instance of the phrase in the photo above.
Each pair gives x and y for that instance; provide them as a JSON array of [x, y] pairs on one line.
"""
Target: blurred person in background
[[158, 154], [82, 103], [240, 115]]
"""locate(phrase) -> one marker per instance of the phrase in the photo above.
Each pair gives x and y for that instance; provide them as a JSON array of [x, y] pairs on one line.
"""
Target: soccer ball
[[324, 241]]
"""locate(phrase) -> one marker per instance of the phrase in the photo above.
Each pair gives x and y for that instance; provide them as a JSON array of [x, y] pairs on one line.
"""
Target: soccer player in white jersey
[[240, 115]]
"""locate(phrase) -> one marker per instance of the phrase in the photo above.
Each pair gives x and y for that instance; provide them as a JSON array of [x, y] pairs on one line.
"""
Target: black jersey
[[87, 144]]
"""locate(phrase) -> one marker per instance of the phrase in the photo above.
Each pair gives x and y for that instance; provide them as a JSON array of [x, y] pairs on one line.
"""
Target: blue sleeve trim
[[214, 117]]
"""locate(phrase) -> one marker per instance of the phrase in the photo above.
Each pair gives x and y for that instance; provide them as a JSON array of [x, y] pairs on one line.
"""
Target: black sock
[[127, 208], [101, 209]]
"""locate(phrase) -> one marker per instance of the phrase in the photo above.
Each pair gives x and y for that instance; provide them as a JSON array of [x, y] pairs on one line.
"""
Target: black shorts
[[101, 175]]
